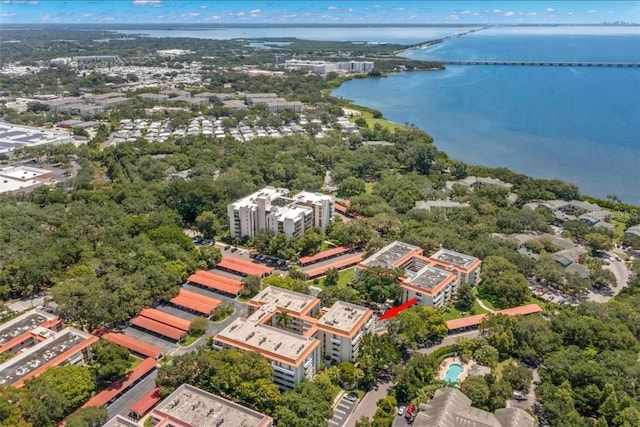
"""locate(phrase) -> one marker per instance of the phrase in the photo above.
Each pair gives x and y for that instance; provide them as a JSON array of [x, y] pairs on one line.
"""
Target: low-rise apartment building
[[272, 208], [189, 406], [291, 331], [433, 280]]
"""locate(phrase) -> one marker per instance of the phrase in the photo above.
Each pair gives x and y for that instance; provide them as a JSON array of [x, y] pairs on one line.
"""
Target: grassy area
[[371, 121], [368, 187], [190, 339], [346, 276], [456, 313], [618, 231], [244, 298], [498, 370], [166, 359], [222, 314], [134, 361], [485, 299]]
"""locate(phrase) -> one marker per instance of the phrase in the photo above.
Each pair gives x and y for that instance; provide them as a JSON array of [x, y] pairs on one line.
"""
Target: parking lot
[[166, 345], [342, 411]]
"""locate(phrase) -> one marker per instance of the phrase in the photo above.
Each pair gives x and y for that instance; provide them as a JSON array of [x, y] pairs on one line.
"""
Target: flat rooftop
[[276, 343], [120, 421], [292, 212], [309, 197], [388, 256], [284, 299], [22, 365], [345, 317], [197, 408], [429, 278], [268, 192], [453, 257], [22, 172], [23, 323]]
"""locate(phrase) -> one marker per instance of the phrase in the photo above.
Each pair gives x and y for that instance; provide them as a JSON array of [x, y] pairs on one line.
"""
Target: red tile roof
[[166, 318], [325, 254], [158, 328], [146, 402], [121, 385], [244, 267], [466, 322], [134, 344], [216, 282], [342, 263], [196, 302]]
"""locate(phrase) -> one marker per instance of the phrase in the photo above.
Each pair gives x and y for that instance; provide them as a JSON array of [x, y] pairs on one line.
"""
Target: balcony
[[283, 370]]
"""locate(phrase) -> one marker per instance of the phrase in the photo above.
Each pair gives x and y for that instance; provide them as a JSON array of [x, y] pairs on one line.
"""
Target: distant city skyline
[[318, 12]]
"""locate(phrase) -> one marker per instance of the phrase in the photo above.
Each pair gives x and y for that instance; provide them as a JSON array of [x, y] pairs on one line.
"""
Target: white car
[[401, 410]]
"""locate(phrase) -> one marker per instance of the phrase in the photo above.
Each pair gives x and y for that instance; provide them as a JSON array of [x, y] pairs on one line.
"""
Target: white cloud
[[86, 15], [570, 13], [255, 11], [592, 11], [108, 18], [7, 15], [497, 11], [398, 9], [532, 14], [215, 17], [509, 13], [332, 8], [203, 7], [141, 2], [550, 9], [465, 12], [240, 14], [193, 14], [454, 17]]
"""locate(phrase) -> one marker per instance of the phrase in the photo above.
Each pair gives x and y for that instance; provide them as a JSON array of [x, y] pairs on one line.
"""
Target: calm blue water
[[453, 372], [581, 125]]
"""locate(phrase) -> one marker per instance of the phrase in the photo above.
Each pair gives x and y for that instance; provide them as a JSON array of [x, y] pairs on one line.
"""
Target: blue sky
[[247, 12]]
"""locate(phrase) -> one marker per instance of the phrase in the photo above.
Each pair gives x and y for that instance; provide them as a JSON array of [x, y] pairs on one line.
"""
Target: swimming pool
[[453, 372]]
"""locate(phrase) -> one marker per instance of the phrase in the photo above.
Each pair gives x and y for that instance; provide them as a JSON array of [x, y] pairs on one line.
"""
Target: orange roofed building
[[433, 280], [294, 343]]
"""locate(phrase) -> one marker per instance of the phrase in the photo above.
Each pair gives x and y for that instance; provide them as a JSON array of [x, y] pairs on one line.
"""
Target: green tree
[[251, 285], [332, 276], [518, 376], [207, 223], [110, 361], [88, 417], [351, 186], [283, 319], [378, 354], [476, 389], [417, 326], [199, 325], [466, 299]]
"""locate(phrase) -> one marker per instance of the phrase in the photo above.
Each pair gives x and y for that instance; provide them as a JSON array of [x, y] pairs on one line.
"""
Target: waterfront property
[[432, 280], [272, 208], [291, 331]]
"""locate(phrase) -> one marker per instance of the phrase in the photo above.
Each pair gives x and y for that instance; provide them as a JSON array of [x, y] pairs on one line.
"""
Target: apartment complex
[[272, 208], [272, 102], [41, 342], [291, 331], [322, 67], [189, 406], [431, 280]]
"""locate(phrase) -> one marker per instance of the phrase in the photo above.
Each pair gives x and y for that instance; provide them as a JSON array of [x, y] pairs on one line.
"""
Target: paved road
[[620, 271], [367, 406], [122, 405]]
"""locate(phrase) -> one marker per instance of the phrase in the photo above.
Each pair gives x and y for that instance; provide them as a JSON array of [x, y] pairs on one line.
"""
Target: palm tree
[[283, 319]]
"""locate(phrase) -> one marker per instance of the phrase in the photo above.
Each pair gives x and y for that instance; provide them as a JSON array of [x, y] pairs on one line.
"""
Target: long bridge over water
[[546, 63]]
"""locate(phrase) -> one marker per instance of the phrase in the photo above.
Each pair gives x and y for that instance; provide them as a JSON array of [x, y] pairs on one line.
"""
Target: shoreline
[[623, 207]]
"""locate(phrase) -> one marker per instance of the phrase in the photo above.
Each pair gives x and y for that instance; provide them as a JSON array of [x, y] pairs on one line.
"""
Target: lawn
[[498, 370], [190, 339], [485, 299], [345, 277], [371, 121], [133, 362], [455, 313]]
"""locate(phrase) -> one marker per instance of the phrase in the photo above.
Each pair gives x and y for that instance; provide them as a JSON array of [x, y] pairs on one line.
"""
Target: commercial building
[[449, 407], [23, 179], [68, 346], [188, 406], [16, 136], [272, 208], [431, 280], [291, 331]]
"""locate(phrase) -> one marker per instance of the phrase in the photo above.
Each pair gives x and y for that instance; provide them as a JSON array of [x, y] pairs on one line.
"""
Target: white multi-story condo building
[[283, 326], [272, 208]]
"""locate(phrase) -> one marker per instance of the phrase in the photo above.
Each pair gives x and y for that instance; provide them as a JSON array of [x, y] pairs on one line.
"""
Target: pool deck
[[444, 366]]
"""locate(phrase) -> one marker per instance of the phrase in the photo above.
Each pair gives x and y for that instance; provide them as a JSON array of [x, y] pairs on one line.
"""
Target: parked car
[[401, 410], [351, 397], [518, 395]]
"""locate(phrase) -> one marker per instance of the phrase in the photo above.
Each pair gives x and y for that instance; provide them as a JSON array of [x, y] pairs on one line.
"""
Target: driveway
[[531, 395], [368, 404], [341, 412], [123, 403], [165, 345], [620, 271]]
